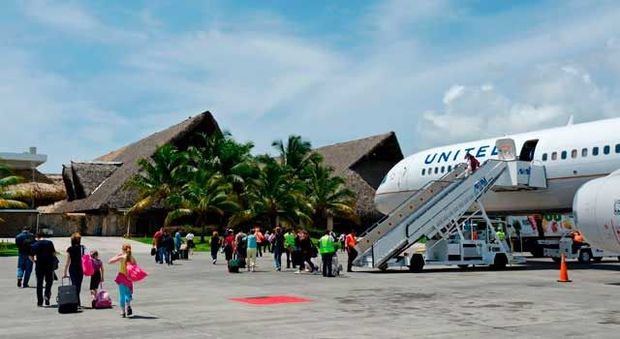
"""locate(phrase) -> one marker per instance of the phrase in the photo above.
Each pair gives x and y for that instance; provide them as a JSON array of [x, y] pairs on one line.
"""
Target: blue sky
[[82, 78]]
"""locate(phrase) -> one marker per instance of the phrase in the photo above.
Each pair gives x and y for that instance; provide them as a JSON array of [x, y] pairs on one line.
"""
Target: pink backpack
[[135, 273], [103, 299], [87, 265]]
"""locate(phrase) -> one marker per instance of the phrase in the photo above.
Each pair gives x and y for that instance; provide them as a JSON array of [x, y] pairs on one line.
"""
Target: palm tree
[[160, 176], [205, 196], [328, 195], [276, 195], [296, 154], [8, 197]]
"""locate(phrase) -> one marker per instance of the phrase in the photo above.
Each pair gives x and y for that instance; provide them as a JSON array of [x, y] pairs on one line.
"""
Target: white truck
[[548, 235]]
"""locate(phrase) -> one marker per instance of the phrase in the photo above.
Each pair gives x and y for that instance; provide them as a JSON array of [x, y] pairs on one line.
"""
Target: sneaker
[[129, 311], [214, 261], [47, 301], [25, 286], [123, 315], [297, 272], [19, 283], [39, 305]]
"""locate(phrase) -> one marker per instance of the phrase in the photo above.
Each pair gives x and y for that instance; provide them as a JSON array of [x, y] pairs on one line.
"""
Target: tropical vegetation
[[218, 183]]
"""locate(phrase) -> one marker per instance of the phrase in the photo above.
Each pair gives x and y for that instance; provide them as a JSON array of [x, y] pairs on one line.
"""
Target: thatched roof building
[[98, 186], [363, 163]]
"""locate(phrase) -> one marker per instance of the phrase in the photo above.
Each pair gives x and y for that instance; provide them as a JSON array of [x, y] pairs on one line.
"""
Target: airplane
[[582, 163]]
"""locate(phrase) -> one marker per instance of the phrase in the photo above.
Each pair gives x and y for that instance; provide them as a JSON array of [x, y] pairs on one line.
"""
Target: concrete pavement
[[192, 299]]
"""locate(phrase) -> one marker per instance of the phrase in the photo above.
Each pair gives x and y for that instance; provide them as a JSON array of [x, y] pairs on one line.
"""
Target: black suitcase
[[175, 255], [67, 298]]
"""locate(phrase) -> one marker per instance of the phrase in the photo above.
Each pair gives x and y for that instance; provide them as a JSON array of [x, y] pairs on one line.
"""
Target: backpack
[[102, 299], [87, 265]]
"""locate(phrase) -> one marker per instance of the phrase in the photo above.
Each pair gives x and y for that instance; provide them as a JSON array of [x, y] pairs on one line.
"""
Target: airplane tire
[[597, 259], [417, 263], [585, 256], [500, 262], [463, 266]]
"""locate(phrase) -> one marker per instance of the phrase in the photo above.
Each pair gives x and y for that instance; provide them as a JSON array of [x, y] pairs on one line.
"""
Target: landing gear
[[463, 267], [417, 263]]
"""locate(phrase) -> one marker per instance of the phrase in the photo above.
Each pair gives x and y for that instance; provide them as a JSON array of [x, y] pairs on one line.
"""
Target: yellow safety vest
[[326, 245]]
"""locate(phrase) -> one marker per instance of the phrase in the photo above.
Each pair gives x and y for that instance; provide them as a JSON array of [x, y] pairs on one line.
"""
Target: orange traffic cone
[[563, 271]]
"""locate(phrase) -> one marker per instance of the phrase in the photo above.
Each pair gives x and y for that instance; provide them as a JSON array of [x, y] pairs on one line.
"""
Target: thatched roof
[[88, 176], [363, 163], [110, 194], [42, 193]]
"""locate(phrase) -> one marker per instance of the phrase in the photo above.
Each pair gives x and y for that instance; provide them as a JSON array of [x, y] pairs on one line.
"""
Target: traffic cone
[[563, 271]]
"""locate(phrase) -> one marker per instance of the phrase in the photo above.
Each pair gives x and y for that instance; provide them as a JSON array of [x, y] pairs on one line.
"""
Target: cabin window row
[[437, 170], [584, 153]]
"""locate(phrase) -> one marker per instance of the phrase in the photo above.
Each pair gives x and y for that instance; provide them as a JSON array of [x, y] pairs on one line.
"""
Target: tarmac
[[192, 299]]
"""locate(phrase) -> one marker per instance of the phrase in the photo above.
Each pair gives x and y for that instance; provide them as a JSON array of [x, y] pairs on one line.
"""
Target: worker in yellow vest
[[327, 248]]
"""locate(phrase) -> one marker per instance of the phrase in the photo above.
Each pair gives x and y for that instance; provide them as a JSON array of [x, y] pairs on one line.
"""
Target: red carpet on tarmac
[[271, 300]]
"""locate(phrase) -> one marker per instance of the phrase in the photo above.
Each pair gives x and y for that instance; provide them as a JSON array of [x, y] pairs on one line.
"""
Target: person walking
[[97, 278], [177, 240], [350, 243], [278, 247], [216, 242], [168, 246], [24, 241], [252, 248], [125, 285], [327, 248], [260, 238], [307, 251], [229, 245], [473, 163], [241, 248], [43, 254], [73, 265], [157, 245], [289, 247], [189, 238]]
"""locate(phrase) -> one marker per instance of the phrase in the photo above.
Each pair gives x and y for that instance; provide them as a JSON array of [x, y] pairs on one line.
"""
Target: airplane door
[[528, 149]]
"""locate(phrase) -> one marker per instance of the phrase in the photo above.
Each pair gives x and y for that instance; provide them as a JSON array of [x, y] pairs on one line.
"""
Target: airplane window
[[449, 168], [594, 151], [423, 171], [544, 157], [617, 148], [564, 155], [443, 169], [554, 156], [430, 171], [436, 170], [606, 149], [584, 152], [573, 153]]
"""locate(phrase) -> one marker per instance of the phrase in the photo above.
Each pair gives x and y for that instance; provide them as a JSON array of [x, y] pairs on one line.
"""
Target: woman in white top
[[190, 243]]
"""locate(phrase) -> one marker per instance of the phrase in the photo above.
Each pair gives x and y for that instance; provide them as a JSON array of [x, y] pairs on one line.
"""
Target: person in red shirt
[[350, 243], [472, 161], [229, 244], [157, 244]]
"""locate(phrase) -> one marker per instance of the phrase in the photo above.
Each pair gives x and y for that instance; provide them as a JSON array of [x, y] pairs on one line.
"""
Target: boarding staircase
[[436, 208]]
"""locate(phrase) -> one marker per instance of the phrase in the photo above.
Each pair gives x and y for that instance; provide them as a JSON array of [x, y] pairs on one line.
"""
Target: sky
[[81, 78]]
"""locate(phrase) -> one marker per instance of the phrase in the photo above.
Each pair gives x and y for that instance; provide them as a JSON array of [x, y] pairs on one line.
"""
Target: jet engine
[[597, 212]]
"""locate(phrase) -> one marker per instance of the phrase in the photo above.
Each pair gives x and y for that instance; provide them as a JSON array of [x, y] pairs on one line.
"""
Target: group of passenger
[[167, 248], [39, 253], [297, 245]]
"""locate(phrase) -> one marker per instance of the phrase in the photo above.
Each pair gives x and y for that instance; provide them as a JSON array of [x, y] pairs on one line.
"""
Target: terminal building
[[97, 200]]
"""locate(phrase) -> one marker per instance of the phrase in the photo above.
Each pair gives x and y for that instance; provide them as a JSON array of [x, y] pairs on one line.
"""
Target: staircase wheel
[[500, 261], [417, 263]]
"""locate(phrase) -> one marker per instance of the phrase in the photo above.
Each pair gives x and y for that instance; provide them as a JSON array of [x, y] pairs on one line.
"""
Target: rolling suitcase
[[67, 298], [233, 266]]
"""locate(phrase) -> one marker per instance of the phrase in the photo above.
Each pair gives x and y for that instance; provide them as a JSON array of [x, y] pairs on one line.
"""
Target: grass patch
[[8, 249], [200, 247]]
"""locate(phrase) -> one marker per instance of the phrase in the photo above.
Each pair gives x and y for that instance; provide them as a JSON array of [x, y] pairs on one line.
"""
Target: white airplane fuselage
[[572, 155]]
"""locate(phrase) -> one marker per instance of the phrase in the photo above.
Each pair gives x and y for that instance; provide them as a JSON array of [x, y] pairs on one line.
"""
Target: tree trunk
[[330, 222]]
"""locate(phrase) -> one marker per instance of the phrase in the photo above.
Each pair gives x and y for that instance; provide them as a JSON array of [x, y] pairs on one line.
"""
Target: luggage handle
[[62, 280]]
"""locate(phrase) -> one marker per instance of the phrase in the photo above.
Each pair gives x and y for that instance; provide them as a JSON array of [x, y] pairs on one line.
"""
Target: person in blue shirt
[[252, 248], [24, 240]]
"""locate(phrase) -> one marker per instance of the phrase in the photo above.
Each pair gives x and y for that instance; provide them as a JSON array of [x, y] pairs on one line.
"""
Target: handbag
[[153, 251]]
